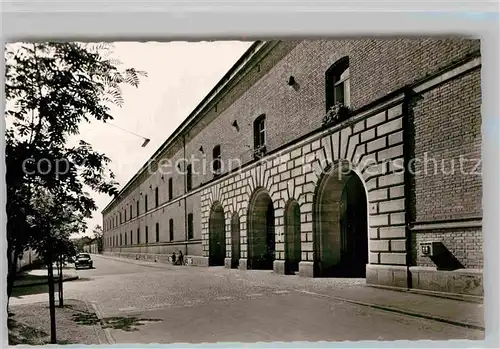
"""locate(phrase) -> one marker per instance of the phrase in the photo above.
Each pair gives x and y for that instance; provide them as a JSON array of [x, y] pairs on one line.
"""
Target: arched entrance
[[217, 244], [235, 240], [292, 237], [341, 225], [261, 236]]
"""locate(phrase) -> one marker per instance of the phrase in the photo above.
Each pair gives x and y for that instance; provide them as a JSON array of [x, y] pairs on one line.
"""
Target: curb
[[71, 278], [107, 332], [401, 311]]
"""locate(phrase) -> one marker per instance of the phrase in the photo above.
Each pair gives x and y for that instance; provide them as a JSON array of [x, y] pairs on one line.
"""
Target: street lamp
[[146, 140]]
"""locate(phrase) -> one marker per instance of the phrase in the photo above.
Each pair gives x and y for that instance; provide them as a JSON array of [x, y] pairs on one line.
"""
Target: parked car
[[83, 260]]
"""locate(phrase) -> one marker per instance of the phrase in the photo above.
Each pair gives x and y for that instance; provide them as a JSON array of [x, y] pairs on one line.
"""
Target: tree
[[50, 89], [98, 238]]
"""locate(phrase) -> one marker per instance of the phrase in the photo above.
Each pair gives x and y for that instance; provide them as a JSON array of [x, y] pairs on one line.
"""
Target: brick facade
[[387, 129]]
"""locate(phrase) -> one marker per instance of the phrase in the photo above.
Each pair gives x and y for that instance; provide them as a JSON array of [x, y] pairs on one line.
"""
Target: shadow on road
[[128, 324]]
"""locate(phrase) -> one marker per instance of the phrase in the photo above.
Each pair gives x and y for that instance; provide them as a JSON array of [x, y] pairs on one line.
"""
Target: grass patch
[[20, 333]]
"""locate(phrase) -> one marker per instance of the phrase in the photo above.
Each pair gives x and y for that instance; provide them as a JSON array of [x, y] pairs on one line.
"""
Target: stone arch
[[217, 235], [235, 230], [340, 222], [261, 230], [292, 220]]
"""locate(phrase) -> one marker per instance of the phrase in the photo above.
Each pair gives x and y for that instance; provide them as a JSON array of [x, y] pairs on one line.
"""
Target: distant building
[[294, 162]]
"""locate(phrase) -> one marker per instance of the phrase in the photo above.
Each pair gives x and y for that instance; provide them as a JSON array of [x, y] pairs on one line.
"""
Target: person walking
[[173, 258], [181, 258]]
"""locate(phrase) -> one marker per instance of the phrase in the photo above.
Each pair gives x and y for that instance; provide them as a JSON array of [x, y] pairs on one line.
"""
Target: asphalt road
[[191, 304]]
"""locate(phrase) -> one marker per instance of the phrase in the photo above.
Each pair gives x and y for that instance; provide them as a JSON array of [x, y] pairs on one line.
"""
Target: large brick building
[[323, 158]]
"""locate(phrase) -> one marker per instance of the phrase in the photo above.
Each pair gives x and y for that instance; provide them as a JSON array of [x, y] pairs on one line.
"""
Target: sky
[[180, 75]]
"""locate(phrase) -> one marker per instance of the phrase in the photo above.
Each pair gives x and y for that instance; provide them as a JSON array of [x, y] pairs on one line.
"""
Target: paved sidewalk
[[75, 324], [453, 311]]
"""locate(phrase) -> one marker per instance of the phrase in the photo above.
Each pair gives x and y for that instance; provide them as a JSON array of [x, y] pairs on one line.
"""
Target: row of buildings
[[337, 158]]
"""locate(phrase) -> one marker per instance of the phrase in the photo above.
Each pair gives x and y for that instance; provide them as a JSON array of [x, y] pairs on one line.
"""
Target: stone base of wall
[[198, 261], [243, 265], [460, 281], [306, 269], [387, 275], [279, 267]]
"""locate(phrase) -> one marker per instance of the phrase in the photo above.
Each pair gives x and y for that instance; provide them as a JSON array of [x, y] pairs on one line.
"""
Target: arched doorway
[[235, 240], [341, 225], [217, 244], [292, 237], [261, 235]]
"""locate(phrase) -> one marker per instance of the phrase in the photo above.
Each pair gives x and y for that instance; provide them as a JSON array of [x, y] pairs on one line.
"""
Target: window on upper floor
[[125, 214], [137, 208], [145, 203], [157, 232], [189, 177], [217, 160], [337, 83], [157, 199], [190, 226], [171, 229], [259, 131], [130, 213], [170, 189]]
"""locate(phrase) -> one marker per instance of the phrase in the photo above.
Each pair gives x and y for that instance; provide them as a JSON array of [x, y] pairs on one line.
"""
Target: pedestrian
[[173, 258], [181, 258]]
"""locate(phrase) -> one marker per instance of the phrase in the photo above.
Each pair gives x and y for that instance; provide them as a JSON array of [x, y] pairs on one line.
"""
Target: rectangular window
[[189, 179], [137, 209], [259, 131], [131, 242], [216, 155], [130, 211], [145, 203], [125, 214], [157, 199], [170, 189], [147, 234], [157, 232], [171, 229], [190, 226], [125, 236], [121, 240], [138, 235]]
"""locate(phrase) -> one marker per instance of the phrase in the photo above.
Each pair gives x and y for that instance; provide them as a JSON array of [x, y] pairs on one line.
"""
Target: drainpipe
[[185, 197], [407, 154]]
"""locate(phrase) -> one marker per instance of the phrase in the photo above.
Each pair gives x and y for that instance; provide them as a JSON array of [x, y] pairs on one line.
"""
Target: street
[[193, 304]]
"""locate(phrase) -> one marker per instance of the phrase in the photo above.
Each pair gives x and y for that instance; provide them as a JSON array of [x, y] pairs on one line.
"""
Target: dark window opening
[[138, 235], [190, 226], [157, 232], [217, 160], [147, 234], [157, 199], [145, 203], [189, 177], [130, 211], [170, 189], [171, 229], [137, 208]]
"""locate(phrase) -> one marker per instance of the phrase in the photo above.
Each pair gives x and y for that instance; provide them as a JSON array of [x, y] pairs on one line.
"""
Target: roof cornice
[[247, 59]]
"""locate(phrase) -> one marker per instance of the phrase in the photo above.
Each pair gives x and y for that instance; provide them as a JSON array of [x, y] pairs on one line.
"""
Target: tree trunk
[[61, 300], [52, 305], [11, 272]]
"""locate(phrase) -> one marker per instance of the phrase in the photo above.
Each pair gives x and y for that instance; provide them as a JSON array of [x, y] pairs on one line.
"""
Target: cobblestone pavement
[[217, 304]]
